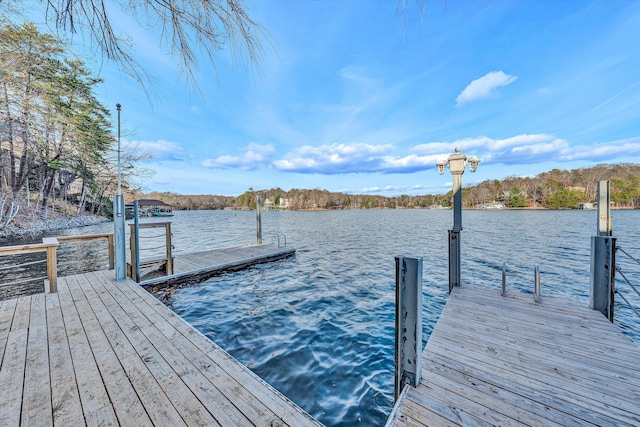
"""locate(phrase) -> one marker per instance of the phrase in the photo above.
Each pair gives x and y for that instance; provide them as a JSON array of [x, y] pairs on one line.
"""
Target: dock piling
[[258, 219], [603, 258], [536, 271], [408, 352], [118, 233], [504, 279]]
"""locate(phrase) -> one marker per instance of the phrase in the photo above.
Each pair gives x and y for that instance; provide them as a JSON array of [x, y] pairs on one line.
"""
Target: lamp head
[[441, 165], [473, 163]]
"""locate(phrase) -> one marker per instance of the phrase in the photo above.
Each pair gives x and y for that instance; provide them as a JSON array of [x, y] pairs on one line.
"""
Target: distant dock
[[199, 266], [494, 360]]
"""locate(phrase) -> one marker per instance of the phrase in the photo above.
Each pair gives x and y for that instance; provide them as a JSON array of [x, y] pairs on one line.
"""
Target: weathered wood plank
[[491, 357], [216, 383], [224, 414], [94, 397], [13, 364], [124, 399], [586, 371], [37, 388], [616, 357], [154, 399], [428, 397], [7, 310], [286, 410], [116, 356], [65, 397], [183, 400]]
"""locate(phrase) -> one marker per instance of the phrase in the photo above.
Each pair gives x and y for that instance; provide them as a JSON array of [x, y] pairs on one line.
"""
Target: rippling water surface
[[320, 326]]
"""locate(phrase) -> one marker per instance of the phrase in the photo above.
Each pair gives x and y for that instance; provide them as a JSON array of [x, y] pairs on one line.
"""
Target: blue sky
[[352, 98]]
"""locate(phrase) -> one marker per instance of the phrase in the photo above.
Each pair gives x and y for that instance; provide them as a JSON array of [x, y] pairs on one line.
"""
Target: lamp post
[[457, 163], [119, 107], [118, 220]]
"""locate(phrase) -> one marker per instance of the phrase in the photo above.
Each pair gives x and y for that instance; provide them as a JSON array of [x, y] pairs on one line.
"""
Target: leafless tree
[[186, 27]]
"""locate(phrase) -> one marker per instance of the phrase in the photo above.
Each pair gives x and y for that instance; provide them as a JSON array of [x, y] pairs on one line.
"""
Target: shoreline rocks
[[30, 229]]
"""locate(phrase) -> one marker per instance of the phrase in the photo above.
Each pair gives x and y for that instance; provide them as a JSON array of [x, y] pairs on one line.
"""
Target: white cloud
[[484, 87], [160, 150], [252, 156], [363, 158], [334, 158]]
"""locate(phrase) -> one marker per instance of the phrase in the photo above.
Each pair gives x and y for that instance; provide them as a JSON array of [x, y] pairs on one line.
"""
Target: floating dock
[[199, 266], [494, 360], [101, 352]]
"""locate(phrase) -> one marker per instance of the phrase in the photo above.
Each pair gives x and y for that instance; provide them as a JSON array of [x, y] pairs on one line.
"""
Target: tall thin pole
[[118, 221], [118, 107]]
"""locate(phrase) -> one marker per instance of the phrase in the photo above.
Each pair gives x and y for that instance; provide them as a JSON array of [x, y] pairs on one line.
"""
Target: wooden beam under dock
[[494, 360]]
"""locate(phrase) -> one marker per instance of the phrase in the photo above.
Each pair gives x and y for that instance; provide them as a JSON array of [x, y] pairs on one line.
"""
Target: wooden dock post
[[408, 354], [52, 262]]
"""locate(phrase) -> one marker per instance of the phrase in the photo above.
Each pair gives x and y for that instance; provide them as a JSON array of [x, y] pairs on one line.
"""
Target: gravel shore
[[23, 229]]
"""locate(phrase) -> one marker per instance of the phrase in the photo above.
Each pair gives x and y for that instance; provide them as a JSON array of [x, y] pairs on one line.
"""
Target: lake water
[[320, 326]]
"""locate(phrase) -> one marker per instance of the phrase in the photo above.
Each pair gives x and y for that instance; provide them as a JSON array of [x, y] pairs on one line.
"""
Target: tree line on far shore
[[556, 189]]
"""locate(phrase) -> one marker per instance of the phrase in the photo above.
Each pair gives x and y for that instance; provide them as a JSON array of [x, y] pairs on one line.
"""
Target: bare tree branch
[[187, 27]]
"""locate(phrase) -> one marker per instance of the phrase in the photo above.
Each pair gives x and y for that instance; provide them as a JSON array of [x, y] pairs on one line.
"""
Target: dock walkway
[[199, 266], [494, 360], [101, 352]]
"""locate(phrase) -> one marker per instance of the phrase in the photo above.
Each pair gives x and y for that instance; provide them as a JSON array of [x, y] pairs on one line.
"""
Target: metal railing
[[626, 280], [536, 282], [164, 242], [277, 236]]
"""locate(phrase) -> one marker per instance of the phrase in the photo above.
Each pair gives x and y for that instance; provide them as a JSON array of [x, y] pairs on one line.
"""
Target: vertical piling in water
[[603, 257], [454, 259], [604, 209], [603, 267], [118, 232], [408, 352], [536, 272], [136, 240], [258, 219], [504, 279]]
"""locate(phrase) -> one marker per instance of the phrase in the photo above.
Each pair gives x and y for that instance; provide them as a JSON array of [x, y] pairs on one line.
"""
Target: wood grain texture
[[494, 360], [101, 352]]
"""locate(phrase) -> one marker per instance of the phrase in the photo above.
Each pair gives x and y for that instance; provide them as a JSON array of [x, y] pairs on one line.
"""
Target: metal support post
[[454, 259], [536, 272], [504, 279], [135, 239], [408, 354], [604, 209], [457, 201], [602, 279], [118, 233], [259, 219], [603, 257]]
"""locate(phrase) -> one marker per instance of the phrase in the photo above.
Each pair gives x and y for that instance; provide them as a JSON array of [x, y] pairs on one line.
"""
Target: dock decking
[[495, 360], [101, 352], [199, 266]]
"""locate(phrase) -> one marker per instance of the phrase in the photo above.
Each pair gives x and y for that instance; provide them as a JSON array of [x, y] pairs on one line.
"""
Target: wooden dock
[[199, 266], [101, 352], [494, 360]]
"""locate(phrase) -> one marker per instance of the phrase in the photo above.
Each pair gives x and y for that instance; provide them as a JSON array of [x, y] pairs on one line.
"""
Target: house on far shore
[[285, 203], [267, 205], [152, 207], [586, 206]]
